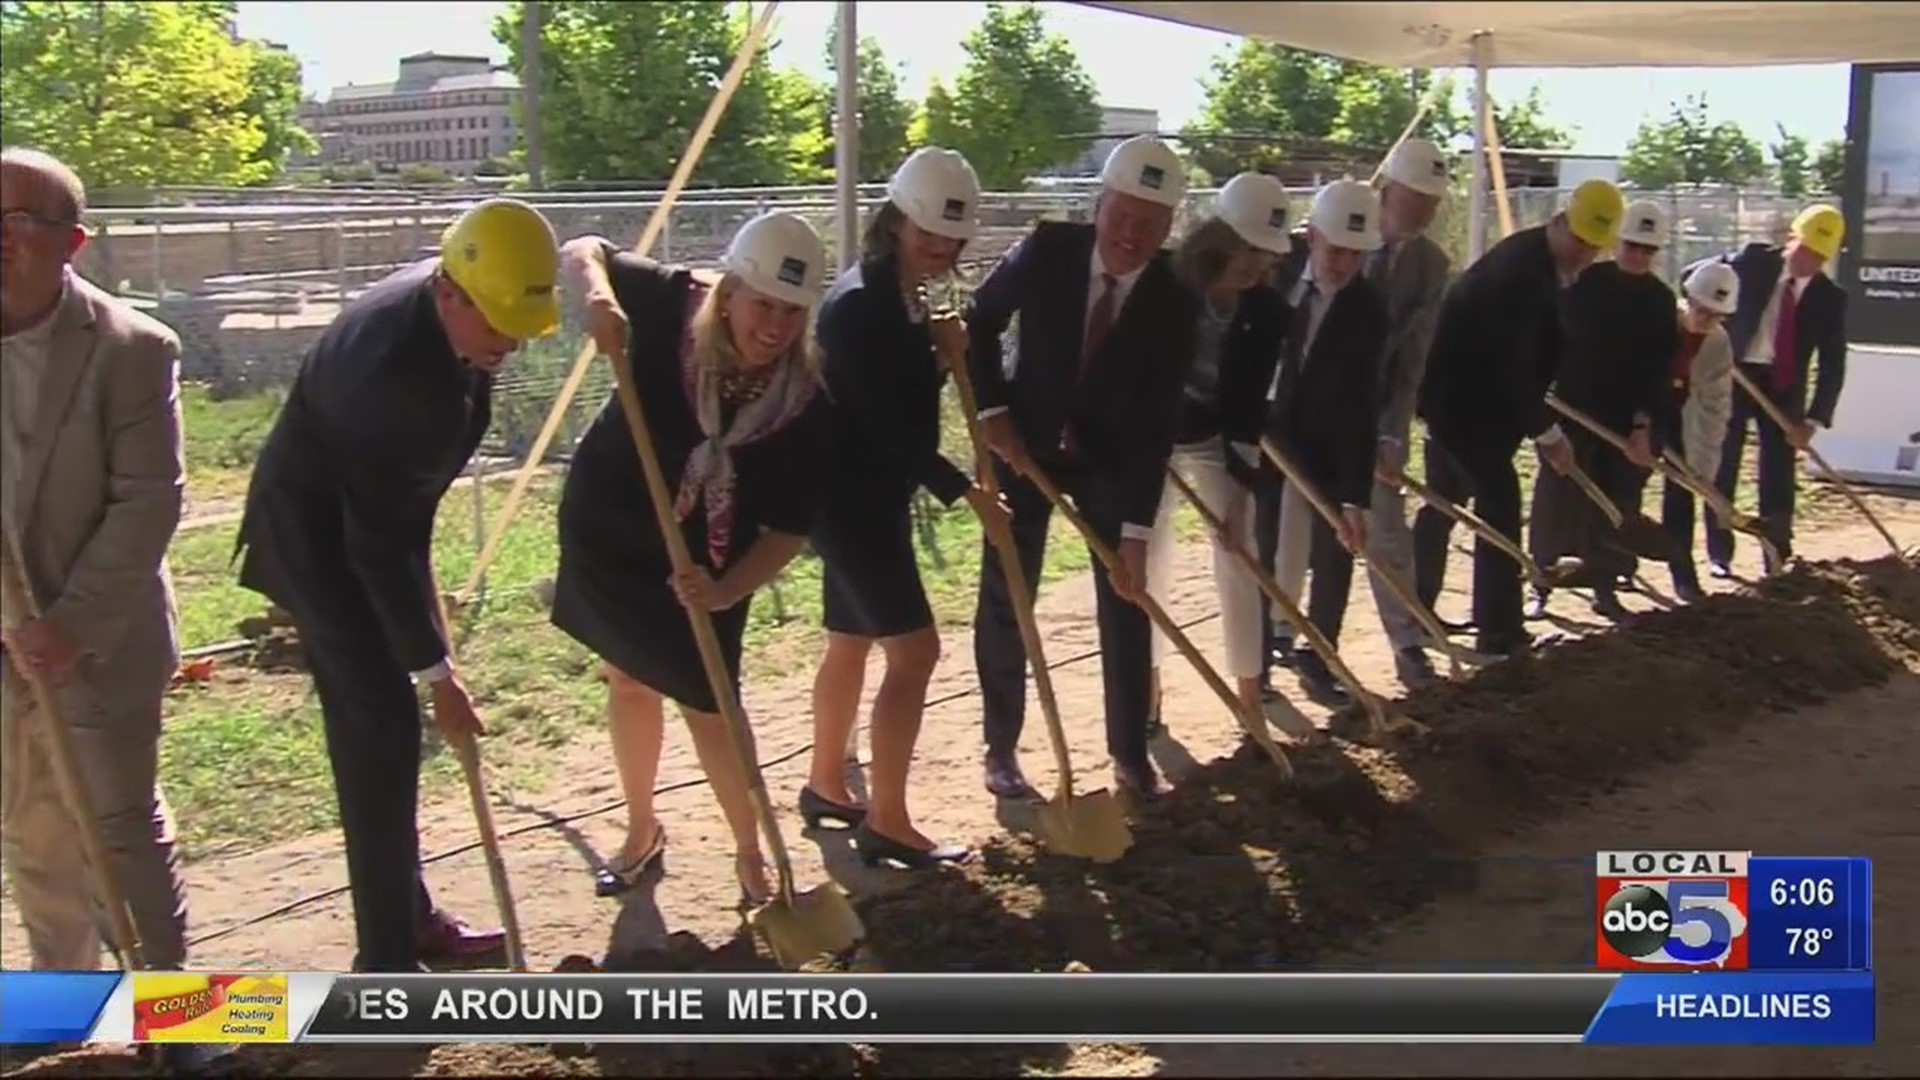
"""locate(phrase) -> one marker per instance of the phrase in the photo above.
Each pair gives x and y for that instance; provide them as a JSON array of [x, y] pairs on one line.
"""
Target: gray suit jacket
[[1412, 289], [100, 494], [1709, 405]]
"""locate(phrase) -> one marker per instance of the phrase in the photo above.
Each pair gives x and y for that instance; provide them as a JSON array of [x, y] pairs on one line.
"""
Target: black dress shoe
[[1414, 667], [1503, 645], [875, 849], [621, 874], [1142, 782], [1688, 589], [1005, 780], [815, 808], [1607, 605], [1318, 678]]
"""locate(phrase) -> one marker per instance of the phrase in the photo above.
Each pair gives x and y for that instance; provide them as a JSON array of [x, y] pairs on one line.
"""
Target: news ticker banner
[[1798, 1008], [1731, 911]]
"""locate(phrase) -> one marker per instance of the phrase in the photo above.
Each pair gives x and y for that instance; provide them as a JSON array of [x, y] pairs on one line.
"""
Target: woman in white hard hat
[[1620, 339], [1227, 260], [885, 379], [1698, 404], [1325, 410], [730, 383]]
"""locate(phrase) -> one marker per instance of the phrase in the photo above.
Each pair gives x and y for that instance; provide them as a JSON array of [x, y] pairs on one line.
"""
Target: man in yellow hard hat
[[387, 409], [1494, 356], [1789, 311]]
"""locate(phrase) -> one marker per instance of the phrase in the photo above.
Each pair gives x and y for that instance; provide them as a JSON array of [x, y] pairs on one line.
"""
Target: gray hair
[[1205, 253]]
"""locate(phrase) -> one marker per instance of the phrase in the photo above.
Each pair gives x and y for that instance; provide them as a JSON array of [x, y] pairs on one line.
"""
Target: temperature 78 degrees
[[1806, 941]]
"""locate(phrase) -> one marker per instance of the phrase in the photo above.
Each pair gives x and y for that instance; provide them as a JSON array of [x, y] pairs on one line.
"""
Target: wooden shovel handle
[[17, 600], [1479, 527], [1773, 412], [1016, 574]]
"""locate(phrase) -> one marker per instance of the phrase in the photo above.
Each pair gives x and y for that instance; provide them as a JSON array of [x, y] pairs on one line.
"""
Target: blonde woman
[[1226, 260], [730, 386]]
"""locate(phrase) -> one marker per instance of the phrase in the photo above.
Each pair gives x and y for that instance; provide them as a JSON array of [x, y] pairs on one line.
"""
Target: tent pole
[[1477, 179], [846, 137]]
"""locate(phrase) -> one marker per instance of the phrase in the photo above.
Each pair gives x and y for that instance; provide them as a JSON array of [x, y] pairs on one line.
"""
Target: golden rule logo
[[186, 1007]]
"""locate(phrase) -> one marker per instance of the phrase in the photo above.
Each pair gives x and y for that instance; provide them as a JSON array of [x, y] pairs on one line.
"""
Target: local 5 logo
[[1677, 923]]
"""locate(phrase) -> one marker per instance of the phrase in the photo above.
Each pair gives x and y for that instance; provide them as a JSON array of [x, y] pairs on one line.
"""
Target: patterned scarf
[[709, 476]]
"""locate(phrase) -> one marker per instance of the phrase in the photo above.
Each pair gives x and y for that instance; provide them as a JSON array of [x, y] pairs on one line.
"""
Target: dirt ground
[[1779, 718]]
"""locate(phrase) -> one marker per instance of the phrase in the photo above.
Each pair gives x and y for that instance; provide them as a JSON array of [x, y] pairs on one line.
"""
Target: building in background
[[1117, 123], [452, 112]]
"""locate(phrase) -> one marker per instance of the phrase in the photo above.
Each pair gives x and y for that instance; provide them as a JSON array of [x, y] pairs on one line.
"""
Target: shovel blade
[[1645, 538], [1090, 826], [1576, 574], [819, 922]]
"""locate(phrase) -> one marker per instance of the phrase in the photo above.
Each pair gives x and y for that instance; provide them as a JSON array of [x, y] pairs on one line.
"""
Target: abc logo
[[1636, 922]]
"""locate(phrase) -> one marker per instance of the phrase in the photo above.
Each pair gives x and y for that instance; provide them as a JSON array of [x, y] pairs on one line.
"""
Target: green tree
[[885, 115], [1377, 102], [934, 124], [277, 91], [137, 95], [1791, 169], [1021, 103], [1523, 125], [1830, 166], [1689, 148], [623, 85]]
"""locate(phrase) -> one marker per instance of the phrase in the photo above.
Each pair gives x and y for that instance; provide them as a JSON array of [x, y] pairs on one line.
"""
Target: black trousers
[[372, 719], [1486, 478], [1676, 502], [1126, 633], [1565, 522], [1329, 566], [1778, 462]]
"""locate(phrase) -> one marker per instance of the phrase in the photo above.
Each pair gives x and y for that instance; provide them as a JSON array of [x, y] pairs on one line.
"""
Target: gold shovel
[[797, 925], [1479, 526], [1773, 412], [1675, 469], [1093, 825], [1251, 722], [1379, 721], [1456, 654], [18, 606]]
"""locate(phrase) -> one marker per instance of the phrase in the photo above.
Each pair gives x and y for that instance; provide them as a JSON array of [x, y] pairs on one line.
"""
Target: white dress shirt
[[1760, 348]]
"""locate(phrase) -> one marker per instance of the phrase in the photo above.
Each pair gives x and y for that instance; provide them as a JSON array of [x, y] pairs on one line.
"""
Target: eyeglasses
[[20, 219]]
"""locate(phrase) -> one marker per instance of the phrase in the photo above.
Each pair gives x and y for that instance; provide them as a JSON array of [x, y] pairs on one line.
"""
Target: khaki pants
[[116, 752]]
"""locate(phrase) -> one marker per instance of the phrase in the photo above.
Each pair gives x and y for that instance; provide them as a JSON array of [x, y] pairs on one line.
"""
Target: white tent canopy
[[1568, 34]]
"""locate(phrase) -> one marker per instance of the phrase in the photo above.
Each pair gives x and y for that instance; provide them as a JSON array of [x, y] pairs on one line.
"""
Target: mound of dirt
[[1238, 871]]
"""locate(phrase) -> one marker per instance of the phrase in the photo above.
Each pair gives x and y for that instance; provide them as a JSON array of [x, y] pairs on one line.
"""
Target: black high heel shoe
[[815, 808], [620, 875], [875, 849]]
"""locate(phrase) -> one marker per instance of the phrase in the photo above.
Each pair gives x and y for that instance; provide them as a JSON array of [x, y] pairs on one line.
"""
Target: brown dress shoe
[[1005, 780], [1143, 782], [446, 941]]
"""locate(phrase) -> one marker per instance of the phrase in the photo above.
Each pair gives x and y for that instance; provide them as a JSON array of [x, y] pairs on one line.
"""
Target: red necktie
[[1099, 324], [1783, 339]]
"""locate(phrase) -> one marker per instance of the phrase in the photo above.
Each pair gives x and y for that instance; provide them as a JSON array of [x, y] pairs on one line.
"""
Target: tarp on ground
[[1568, 34]]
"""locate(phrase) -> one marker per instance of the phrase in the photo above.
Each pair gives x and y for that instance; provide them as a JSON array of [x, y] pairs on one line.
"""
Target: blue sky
[[1136, 62]]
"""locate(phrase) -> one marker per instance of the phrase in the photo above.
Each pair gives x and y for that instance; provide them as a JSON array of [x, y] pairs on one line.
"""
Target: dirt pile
[[1239, 872]]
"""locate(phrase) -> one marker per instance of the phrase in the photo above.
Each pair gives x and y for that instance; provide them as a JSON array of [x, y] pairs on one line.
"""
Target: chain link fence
[[250, 287]]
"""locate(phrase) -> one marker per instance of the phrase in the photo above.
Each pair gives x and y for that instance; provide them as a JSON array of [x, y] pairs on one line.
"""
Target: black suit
[[338, 531], [1820, 325], [1105, 439], [1324, 415], [1494, 355]]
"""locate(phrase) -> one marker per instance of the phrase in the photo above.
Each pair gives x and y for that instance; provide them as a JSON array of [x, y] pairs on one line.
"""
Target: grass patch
[[223, 438]]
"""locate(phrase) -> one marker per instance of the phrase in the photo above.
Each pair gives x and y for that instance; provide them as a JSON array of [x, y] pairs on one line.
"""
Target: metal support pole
[[1477, 184], [846, 136], [530, 127]]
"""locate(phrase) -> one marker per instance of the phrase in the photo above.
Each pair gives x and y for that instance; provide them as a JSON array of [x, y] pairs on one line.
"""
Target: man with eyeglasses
[[91, 487]]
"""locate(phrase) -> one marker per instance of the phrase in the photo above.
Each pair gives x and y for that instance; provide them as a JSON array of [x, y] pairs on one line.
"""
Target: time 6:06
[[1807, 892]]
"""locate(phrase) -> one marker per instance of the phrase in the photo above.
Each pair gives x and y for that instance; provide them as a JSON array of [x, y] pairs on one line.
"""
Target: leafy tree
[[1689, 148], [136, 95], [885, 115], [934, 124], [1376, 103], [623, 85], [1830, 166], [1019, 100], [1791, 170], [1523, 125]]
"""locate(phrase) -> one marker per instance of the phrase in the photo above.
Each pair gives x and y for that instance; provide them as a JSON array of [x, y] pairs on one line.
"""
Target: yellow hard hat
[[504, 254], [1821, 228], [1594, 212]]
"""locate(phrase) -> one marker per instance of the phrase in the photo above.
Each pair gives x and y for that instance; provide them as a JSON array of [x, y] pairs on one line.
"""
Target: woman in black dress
[[885, 378], [729, 380]]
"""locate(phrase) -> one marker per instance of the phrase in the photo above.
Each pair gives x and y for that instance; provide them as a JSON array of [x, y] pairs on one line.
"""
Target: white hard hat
[[1146, 168], [779, 255], [1715, 287], [938, 191], [1255, 204], [1645, 223], [1419, 165], [1347, 213]]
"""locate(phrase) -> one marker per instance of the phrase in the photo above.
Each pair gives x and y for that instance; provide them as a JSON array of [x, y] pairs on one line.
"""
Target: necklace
[[740, 386]]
